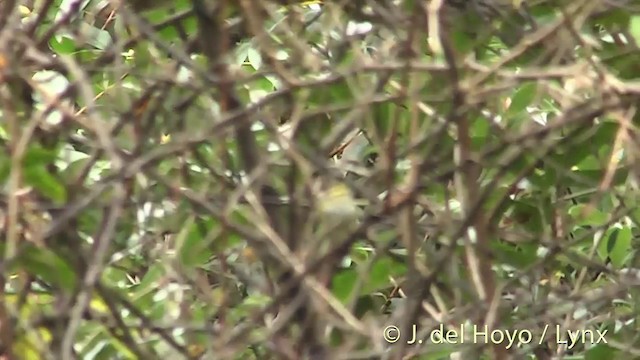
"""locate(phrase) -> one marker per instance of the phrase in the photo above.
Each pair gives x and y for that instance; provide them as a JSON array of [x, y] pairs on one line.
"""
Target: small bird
[[337, 214]]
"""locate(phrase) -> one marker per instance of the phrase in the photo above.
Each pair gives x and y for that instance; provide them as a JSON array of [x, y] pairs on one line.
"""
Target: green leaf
[[49, 266], [47, 184], [241, 53], [192, 245], [594, 176], [463, 42], [585, 215], [5, 168], [335, 94], [62, 45], [602, 352], [38, 156], [255, 59], [168, 33], [343, 283], [441, 351], [523, 97], [381, 119], [98, 38], [634, 28], [619, 246], [378, 277], [520, 256], [26, 344], [150, 279], [603, 246]]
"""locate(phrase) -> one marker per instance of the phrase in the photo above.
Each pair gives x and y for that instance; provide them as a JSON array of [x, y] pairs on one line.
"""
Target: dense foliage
[[172, 168]]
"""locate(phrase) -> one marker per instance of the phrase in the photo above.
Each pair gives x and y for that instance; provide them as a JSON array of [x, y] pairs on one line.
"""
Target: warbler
[[338, 201], [337, 215]]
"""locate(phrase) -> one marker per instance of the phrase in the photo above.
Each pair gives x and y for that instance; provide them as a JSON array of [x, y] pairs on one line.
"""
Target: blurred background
[[218, 179]]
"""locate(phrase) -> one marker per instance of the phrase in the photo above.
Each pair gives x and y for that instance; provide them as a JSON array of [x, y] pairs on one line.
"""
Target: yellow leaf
[[98, 305], [24, 11], [195, 350], [31, 345]]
